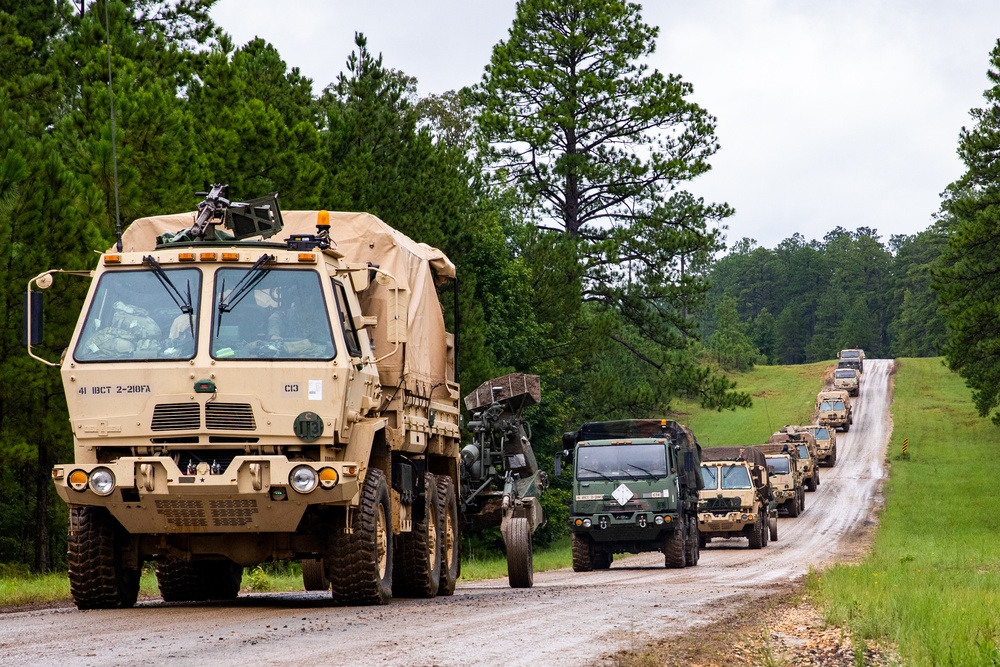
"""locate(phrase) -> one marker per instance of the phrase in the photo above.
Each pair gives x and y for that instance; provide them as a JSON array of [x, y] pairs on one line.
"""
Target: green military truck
[[826, 443], [787, 482], [803, 443], [635, 489], [737, 500], [236, 400]]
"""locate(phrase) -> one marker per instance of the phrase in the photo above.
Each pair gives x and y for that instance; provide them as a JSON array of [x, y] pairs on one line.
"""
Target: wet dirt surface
[[566, 619]]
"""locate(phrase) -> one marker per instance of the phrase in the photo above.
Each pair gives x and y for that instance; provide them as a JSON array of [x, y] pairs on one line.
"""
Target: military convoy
[[737, 500], [236, 400], [847, 379], [786, 478], [852, 358], [636, 489]]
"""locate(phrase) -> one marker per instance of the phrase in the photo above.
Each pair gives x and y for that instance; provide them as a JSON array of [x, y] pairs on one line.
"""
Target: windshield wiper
[[598, 472], [249, 280], [180, 300], [632, 465]]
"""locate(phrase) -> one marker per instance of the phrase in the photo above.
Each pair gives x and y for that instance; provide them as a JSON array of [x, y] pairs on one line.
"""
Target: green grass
[[555, 556], [931, 585], [781, 395]]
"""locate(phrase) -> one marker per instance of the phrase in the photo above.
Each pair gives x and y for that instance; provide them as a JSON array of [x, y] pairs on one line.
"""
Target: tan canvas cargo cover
[[362, 238]]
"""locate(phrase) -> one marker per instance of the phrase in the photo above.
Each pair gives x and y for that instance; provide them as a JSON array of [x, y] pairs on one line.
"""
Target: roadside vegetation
[[931, 585]]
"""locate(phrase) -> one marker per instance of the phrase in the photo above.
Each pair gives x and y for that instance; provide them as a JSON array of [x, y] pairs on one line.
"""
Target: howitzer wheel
[[451, 543], [361, 570], [517, 537], [314, 575], [97, 577], [417, 570]]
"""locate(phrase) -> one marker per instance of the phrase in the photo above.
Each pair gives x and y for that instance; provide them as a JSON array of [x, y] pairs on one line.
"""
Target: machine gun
[[500, 480], [254, 217]]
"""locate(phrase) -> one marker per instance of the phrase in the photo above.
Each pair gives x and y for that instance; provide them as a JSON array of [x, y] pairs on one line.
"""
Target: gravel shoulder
[[566, 619]]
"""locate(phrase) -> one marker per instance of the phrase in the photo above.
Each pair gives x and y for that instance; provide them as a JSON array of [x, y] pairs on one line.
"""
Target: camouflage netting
[[518, 389]]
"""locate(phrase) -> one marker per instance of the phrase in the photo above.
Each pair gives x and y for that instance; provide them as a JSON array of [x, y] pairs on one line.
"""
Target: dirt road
[[566, 619]]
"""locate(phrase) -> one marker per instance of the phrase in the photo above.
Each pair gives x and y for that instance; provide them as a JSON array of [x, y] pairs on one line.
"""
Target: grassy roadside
[[931, 585]]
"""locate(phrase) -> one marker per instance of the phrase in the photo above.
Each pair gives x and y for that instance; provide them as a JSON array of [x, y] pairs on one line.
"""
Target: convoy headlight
[[303, 479], [102, 481], [587, 523], [744, 517], [78, 480], [328, 478], [658, 520]]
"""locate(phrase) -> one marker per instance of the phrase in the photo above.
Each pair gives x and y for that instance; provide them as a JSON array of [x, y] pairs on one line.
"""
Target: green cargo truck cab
[[635, 489]]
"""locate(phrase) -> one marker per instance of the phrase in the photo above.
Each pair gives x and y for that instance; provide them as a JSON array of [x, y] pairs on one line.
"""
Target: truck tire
[[603, 559], [673, 548], [186, 581], [847, 426], [314, 575], [810, 484], [692, 551], [815, 478], [793, 506], [417, 570], [802, 501], [756, 536], [583, 553], [772, 524], [97, 577], [702, 540], [833, 457], [517, 537], [361, 571], [451, 543]]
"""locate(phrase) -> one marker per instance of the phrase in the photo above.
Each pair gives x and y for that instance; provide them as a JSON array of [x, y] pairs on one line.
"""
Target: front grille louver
[[218, 417]]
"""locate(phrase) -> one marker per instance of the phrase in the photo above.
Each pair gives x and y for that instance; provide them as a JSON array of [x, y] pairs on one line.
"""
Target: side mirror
[[557, 464], [33, 318]]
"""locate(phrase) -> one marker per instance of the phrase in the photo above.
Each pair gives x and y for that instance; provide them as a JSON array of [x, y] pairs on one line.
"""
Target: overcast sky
[[839, 112]]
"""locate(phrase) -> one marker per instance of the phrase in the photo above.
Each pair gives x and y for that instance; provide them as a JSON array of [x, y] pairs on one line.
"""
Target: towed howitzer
[[500, 480]]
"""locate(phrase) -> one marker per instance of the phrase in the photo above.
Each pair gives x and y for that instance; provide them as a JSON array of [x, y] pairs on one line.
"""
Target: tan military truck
[[852, 358], [737, 500], [236, 400], [833, 409], [786, 478], [826, 443], [802, 442], [847, 379]]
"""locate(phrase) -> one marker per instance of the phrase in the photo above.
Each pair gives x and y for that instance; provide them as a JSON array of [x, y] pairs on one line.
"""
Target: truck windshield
[[821, 434], [831, 405], [735, 477], [803, 452], [711, 476], [845, 374], [850, 354], [780, 465], [283, 316], [621, 461], [134, 316]]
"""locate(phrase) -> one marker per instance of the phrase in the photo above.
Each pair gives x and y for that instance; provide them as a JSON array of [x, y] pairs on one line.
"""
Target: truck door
[[355, 391]]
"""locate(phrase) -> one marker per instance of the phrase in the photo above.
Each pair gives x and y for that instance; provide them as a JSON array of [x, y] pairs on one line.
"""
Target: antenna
[[114, 143]]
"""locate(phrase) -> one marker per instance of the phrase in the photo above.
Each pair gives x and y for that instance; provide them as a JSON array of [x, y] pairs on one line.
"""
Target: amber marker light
[[112, 259], [185, 257], [307, 257], [323, 219], [78, 480], [230, 257], [350, 470], [328, 478], [208, 256]]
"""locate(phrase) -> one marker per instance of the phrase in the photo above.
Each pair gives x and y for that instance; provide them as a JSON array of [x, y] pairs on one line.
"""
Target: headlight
[[102, 481], [303, 479], [658, 521], [586, 523], [328, 478]]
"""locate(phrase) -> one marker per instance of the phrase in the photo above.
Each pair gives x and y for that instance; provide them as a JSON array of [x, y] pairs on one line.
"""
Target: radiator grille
[[232, 512], [176, 417], [183, 513], [229, 416]]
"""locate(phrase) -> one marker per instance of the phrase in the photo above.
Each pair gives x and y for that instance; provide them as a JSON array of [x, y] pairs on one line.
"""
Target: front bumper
[[725, 523], [253, 494], [623, 525]]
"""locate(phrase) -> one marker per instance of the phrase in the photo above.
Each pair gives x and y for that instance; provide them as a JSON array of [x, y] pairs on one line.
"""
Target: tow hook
[[642, 521], [604, 522]]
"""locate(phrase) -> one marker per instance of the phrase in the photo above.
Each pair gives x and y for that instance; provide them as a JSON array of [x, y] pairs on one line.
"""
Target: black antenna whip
[[114, 144]]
